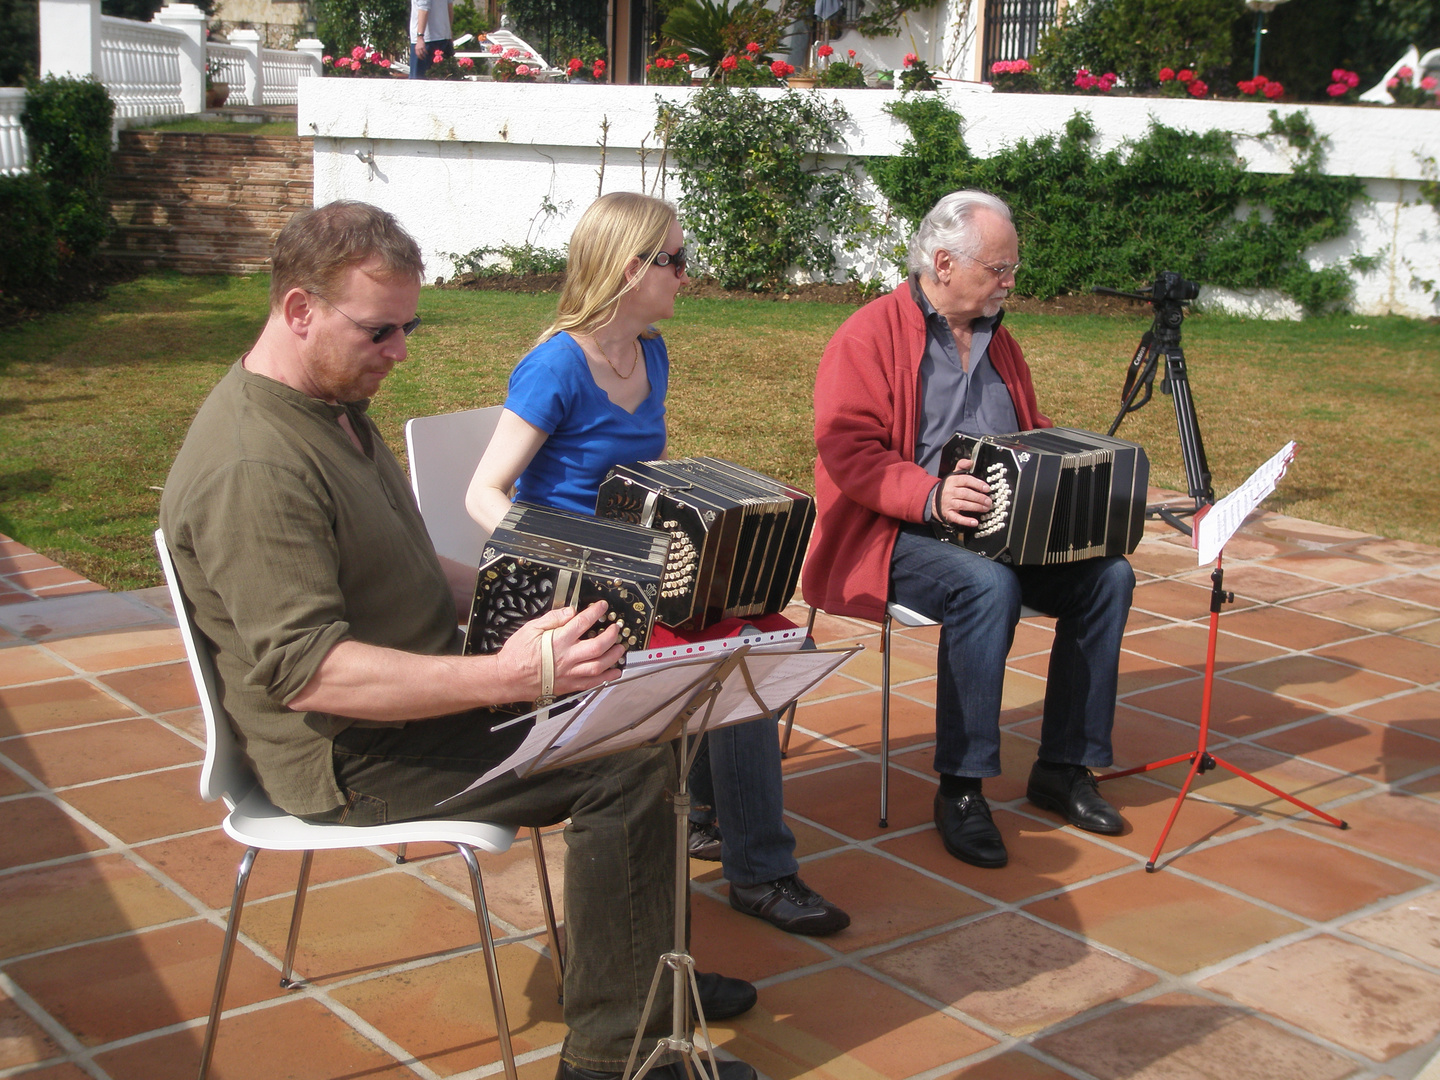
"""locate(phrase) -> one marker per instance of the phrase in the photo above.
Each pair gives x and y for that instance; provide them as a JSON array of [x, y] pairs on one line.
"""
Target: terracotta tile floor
[[1268, 946]]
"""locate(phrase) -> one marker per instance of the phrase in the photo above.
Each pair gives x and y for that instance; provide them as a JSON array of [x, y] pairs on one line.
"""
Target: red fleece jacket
[[867, 417]]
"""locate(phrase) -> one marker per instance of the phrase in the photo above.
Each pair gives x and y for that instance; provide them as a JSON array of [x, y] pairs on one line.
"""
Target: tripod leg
[[1199, 758], [1339, 824]]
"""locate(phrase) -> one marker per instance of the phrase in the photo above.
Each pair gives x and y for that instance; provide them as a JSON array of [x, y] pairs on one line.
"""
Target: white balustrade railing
[[14, 154], [283, 72], [140, 67], [231, 69]]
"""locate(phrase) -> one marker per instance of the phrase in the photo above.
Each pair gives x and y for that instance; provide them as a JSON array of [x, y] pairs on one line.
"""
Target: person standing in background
[[429, 33]]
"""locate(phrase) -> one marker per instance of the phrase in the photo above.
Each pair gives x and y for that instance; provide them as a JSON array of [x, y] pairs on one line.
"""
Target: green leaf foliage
[[28, 256], [67, 124], [1171, 200], [379, 24], [709, 31], [756, 198]]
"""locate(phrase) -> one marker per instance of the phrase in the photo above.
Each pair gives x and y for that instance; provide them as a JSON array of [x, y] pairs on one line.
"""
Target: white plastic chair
[[444, 451], [257, 823], [905, 617]]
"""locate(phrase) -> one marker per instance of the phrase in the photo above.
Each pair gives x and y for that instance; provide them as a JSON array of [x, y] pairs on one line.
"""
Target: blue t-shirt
[[588, 433]]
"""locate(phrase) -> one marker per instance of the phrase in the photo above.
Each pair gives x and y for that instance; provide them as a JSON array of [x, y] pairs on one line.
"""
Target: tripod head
[[1168, 294]]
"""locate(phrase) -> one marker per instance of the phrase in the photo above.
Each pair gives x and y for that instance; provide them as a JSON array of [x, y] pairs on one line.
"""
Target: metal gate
[[1013, 29]]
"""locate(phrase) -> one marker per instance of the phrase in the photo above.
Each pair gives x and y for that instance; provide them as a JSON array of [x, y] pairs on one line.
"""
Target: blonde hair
[[615, 229]]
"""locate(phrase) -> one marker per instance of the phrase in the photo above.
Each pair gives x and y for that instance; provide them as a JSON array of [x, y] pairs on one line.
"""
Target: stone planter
[[215, 95]]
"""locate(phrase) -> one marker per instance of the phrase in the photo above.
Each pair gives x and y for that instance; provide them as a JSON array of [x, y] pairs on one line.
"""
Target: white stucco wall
[[464, 165]]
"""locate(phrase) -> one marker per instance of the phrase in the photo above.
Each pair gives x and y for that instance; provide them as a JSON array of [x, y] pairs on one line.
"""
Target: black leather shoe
[[722, 997], [789, 904], [729, 1070], [705, 842], [1071, 792], [968, 830]]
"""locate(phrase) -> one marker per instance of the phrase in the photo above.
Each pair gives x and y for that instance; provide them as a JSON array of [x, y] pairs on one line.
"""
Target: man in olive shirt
[[333, 624]]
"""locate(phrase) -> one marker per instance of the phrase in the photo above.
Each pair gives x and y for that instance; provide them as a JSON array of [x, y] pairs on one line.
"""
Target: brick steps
[[205, 203]]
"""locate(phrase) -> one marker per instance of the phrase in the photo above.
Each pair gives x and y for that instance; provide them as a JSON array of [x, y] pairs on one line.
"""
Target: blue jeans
[[977, 601], [736, 777], [421, 64]]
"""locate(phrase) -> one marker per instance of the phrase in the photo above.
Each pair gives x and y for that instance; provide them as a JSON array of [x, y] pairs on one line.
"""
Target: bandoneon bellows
[[538, 558], [1059, 495], [737, 537]]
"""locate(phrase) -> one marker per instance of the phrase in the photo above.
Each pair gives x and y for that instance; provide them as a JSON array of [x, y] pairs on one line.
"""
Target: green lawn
[[96, 399]]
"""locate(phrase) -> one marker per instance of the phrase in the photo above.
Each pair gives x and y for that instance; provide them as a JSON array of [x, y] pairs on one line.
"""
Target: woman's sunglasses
[[677, 260]]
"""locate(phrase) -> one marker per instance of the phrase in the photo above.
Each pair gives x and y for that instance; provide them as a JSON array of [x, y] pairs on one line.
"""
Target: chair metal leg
[[227, 953], [790, 712], [294, 939], [492, 969], [400, 854], [885, 632], [547, 903]]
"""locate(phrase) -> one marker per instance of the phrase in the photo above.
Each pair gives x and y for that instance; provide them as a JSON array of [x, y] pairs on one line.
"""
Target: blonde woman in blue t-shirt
[[589, 396]]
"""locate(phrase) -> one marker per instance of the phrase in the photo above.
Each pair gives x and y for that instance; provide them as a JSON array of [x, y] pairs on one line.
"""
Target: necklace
[[633, 366]]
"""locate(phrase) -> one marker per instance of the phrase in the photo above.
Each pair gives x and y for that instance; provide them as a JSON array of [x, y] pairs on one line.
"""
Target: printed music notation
[[1216, 524]]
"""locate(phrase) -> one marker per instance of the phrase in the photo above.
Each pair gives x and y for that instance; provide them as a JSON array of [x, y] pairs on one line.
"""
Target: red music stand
[[1200, 759]]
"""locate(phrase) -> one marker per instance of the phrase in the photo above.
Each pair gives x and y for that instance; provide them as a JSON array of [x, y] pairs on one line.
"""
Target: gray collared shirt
[[953, 399]]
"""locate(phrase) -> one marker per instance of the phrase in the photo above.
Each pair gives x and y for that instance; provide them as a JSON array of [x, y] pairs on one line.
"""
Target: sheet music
[[645, 704], [1215, 525]]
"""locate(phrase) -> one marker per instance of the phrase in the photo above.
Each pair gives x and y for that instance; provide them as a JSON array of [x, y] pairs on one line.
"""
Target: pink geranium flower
[[357, 52], [911, 59], [386, 63], [464, 62], [1405, 73], [1428, 83], [523, 69]]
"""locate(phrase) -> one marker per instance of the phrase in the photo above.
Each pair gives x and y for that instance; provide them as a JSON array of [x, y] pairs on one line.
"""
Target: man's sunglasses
[[380, 333], [677, 260]]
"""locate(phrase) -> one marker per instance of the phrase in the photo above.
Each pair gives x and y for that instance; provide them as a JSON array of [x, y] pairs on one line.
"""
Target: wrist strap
[[547, 668]]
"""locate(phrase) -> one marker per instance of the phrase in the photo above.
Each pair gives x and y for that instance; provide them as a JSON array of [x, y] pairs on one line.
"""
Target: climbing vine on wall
[[1171, 200]]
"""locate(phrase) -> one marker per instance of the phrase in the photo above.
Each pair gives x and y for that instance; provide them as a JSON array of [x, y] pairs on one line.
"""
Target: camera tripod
[[1168, 295]]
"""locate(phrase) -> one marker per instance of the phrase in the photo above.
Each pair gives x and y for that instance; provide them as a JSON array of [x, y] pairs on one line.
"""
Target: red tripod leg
[[1337, 822]]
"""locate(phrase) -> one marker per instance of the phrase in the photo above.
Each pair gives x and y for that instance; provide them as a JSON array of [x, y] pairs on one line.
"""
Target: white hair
[[950, 226]]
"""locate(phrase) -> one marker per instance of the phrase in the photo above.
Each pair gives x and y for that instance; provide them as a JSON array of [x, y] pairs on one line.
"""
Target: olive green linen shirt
[[289, 540]]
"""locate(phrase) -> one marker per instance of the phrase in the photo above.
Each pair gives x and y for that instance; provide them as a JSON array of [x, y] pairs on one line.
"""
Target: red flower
[[1335, 89], [575, 65], [911, 59], [1198, 89], [649, 67], [1273, 90], [1351, 79], [778, 69], [852, 53], [753, 47], [1185, 75], [463, 63], [357, 52], [599, 68], [1261, 82], [1166, 74], [824, 50], [728, 64], [1246, 86], [684, 58]]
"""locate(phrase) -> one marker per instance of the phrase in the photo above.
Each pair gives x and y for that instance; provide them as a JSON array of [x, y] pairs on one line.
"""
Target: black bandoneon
[[1059, 495], [539, 558], [737, 536]]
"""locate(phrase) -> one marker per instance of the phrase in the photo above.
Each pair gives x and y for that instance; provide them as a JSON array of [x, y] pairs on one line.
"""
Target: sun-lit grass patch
[[96, 399]]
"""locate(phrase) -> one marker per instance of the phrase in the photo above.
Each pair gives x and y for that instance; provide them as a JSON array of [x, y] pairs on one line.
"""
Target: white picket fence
[[14, 156]]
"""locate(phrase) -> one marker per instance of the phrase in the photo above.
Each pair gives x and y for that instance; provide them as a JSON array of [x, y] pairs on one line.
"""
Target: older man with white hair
[[899, 377]]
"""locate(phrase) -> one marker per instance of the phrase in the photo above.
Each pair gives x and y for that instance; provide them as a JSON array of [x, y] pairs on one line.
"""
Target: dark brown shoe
[[1071, 792], [789, 904]]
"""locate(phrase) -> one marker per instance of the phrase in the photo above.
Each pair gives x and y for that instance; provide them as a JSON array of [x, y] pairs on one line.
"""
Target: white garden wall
[[464, 165]]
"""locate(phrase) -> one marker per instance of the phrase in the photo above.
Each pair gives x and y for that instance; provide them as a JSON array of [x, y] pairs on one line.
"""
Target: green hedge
[[1167, 201]]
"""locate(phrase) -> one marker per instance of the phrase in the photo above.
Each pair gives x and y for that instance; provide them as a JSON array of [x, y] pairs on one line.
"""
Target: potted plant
[[215, 91], [838, 74]]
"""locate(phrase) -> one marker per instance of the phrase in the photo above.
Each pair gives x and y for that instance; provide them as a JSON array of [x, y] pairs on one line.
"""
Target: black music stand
[[732, 681], [1235, 506]]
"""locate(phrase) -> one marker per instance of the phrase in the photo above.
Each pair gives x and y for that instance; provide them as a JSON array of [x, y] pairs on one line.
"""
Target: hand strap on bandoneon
[[547, 669]]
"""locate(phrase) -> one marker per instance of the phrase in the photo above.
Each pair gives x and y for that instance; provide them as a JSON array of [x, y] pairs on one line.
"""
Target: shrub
[[382, 25], [840, 74], [1166, 201], [29, 255], [67, 123], [1014, 77], [1135, 38], [756, 198], [519, 259]]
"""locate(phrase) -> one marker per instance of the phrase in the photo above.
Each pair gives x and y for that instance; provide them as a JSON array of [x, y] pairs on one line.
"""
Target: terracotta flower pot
[[215, 95]]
